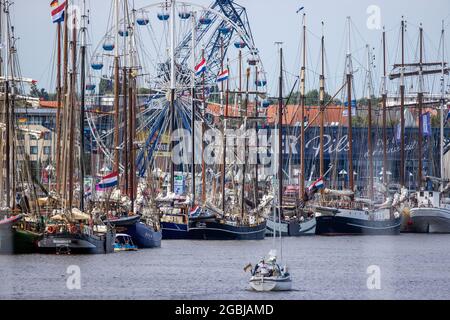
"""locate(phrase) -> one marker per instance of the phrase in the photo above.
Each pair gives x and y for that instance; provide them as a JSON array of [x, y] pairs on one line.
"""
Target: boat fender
[[51, 229]]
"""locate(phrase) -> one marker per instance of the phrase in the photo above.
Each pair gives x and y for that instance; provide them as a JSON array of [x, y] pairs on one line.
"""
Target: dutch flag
[[201, 67], [109, 181], [195, 211], [222, 76], [58, 13], [317, 185]]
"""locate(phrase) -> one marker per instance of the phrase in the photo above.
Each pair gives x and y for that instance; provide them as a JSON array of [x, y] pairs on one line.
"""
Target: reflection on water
[[412, 267]]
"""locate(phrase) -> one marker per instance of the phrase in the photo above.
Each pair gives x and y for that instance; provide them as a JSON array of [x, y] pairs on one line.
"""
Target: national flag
[[88, 193], [317, 185], [58, 13], [223, 76], [109, 181], [195, 211], [54, 3], [201, 67]]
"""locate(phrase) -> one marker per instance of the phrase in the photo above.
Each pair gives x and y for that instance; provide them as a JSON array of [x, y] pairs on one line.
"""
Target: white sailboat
[[432, 211], [268, 274]]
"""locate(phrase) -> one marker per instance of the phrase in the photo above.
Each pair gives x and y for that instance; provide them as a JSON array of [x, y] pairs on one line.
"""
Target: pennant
[[426, 124], [58, 13], [223, 76], [201, 67]]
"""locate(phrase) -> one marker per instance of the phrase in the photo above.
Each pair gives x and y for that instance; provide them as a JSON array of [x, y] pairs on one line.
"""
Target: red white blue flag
[[223, 76], [317, 185], [201, 67], [109, 181], [58, 13]]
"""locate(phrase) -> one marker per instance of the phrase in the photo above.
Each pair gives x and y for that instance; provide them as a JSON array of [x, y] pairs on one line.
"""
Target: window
[[33, 137], [47, 150], [33, 150]]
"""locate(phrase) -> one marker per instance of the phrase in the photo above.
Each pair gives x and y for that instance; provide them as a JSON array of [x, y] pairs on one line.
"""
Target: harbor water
[[411, 266]]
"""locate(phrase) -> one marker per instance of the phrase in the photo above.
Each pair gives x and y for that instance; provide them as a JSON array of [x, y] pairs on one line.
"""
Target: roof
[[48, 104]]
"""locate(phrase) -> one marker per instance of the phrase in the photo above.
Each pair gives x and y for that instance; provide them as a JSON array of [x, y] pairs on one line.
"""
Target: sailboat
[[69, 229], [122, 204], [186, 217], [268, 275], [20, 227], [431, 213], [339, 212], [297, 219]]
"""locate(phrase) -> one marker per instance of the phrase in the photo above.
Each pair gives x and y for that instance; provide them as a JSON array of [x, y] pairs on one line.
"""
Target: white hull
[[259, 283], [430, 220]]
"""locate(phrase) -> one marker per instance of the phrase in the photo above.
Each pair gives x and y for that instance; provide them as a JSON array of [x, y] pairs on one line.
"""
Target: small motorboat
[[268, 275], [124, 242]]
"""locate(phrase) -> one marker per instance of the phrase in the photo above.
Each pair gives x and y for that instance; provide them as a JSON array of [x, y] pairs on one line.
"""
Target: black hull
[[7, 235], [290, 228], [220, 231], [335, 225], [66, 243]]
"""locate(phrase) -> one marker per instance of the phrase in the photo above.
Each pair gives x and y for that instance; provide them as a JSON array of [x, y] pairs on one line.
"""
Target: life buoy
[[51, 229]]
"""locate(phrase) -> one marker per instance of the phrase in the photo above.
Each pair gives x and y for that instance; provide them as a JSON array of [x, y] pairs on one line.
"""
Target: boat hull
[[66, 243], [291, 228], [430, 220], [259, 283], [174, 231], [221, 231], [337, 225], [7, 243], [26, 241], [144, 236]]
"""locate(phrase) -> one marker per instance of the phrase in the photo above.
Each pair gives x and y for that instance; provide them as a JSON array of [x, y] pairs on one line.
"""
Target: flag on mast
[[108, 181], [201, 67], [58, 12], [223, 76]]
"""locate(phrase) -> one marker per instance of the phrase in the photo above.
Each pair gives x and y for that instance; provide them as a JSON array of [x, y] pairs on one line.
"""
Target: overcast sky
[[271, 20]]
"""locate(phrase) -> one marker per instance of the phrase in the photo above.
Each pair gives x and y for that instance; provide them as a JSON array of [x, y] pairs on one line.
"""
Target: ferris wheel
[[147, 41]]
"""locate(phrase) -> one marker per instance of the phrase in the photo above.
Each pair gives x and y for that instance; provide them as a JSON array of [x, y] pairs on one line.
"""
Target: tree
[[42, 94]]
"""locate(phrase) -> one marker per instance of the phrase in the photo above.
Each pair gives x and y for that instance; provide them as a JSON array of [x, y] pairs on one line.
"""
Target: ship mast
[[116, 89], [59, 103], [172, 92], [402, 109], [280, 136], [420, 102], [82, 106], [384, 100], [193, 109], [7, 106], [132, 96], [369, 120], [224, 155], [349, 110], [322, 103], [442, 109], [244, 136], [72, 113], [302, 106]]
